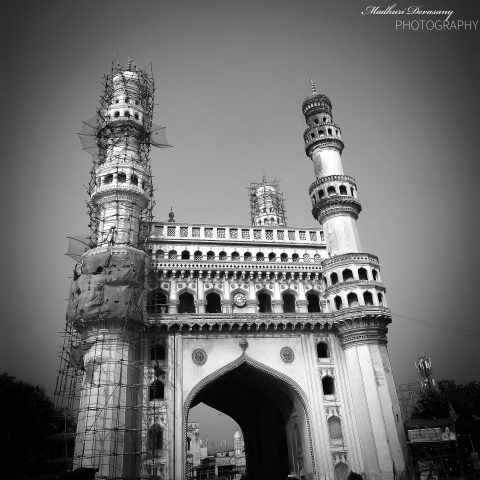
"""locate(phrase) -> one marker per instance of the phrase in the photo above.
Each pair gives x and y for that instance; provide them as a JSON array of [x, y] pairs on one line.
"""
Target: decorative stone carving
[[287, 355], [199, 356], [243, 343]]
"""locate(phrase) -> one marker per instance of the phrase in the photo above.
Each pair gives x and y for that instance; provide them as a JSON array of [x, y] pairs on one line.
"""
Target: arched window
[[187, 303], [321, 194], [352, 191], [108, 179], [260, 257], [272, 257], [343, 190], [172, 254], [210, 255], [222, 256], [155, 438], [160, 254], [313, 303], [116, 114], [374, 274], [235, 257], [380, 299], [185, 255], [334, 278], [157, 302], [136, 116], [331, 190], [157, 352], [157, 390], [213, 304], [264, 303], [335, 428], [322, 350], [126, 113], [197, 256], [338, 302], [133, 179], [284, 257], [367, 298], [328, 385], [347, 274], [295, 257], [362, 274], [306, 257], [247, 257], [288, 303], [352, 300]]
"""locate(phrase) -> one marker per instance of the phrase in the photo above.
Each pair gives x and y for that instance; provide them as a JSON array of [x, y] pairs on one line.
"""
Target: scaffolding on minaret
[[106, 379], [267, 205]]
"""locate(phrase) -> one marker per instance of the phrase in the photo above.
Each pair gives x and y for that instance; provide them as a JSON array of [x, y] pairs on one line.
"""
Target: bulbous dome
[[316, 103]]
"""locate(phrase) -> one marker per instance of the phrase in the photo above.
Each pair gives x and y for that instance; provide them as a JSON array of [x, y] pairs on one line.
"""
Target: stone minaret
[[354, 293], [105, 305], [267, 206]]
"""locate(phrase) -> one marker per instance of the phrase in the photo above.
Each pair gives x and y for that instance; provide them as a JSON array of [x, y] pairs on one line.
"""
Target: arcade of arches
[[271, 416]]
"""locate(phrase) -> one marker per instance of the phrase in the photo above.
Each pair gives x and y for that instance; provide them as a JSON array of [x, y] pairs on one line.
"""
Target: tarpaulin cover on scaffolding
[[110, 285]]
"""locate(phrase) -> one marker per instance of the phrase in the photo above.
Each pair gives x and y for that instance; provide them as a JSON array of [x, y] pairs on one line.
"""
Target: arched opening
[[156, 390], [334, 278], [321, 194], [328, 385], [352, 300], [331, 190], [222, 256], [288, 303], [159, 254], [157, 353], [313, 303], [187, 303], [235, 257], [197, 256], [108, 179], [338, 302], [210, 255], [347, 275], [343, 190], [322, 350], [284, 257], [271, 415], [247, 257], [157, 302], [155, 438], [380, 299], [185, 255], [121, 177], [367, 298], [362, 274], [374, 274], [133, 179], [172, 255], [272, 257], [341, 471], [264, 303], [295, 257], [260, 257], [213, 304]]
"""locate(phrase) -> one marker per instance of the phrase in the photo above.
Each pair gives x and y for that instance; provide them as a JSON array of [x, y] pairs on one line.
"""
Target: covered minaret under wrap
[[355, 295], [106, 299]]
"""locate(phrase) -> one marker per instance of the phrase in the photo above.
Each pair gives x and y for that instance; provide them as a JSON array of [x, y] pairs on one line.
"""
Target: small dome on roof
[[317, 102]]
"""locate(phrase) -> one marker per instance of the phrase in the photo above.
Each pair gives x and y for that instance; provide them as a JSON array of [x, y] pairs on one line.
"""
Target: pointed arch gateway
[[272, 412]]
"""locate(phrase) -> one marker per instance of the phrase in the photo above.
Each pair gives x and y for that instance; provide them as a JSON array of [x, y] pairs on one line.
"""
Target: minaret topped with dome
[[333, 194]]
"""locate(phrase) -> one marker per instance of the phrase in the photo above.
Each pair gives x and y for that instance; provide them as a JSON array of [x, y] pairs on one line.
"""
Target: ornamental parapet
[[336, 204], [331, 178], [115, 189], [349, 258], [325, 141]]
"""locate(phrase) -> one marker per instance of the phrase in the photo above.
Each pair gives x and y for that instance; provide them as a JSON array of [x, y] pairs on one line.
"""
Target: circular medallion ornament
[[239, 299], [287, 355], [199, 356]]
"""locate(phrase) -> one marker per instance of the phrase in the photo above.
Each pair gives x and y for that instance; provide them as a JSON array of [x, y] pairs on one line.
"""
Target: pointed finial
[[129, 65], [314, 90]]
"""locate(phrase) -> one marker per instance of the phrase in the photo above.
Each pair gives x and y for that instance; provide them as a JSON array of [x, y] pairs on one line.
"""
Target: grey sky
[[230, 78]]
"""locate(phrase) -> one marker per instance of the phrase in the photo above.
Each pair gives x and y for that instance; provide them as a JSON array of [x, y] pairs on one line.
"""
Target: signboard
[[437, 434]]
